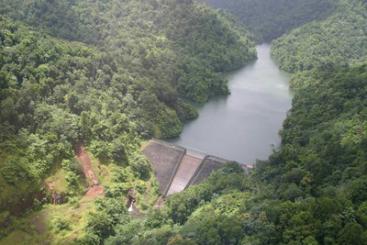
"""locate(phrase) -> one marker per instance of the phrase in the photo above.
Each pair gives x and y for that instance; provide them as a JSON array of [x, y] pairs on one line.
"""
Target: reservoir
[[243, 126]]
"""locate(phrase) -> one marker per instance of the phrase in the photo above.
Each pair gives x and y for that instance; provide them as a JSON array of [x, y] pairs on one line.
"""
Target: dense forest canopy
[[109, 74], [311, 191], [106, 74], [269, 19], [339, 40]]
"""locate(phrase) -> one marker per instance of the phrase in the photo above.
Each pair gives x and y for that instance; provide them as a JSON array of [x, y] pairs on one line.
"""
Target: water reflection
[[244, 125]]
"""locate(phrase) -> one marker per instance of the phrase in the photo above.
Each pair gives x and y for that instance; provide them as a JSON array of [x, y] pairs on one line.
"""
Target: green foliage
[[320, 167], [218, 222], [182, 205], [105, 74], [179, 240], [337, 41], [132, 71], [60, 224], [125, 233], [168, 124], [220, 194], [185, 111], [72, 176], [140, 166], [269, 19], [311, 191], [109, 213]]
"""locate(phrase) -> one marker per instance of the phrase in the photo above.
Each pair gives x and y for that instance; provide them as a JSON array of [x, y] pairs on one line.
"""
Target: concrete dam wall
[[176, 167]]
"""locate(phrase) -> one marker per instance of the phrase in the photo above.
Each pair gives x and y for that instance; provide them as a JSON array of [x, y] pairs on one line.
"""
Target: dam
[[176, 168], [246, 128], [243, 126]]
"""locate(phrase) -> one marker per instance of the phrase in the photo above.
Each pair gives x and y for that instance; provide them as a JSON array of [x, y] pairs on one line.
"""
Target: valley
[[86, 88]]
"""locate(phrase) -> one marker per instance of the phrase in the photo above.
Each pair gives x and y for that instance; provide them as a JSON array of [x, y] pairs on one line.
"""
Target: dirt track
[[94, 189]]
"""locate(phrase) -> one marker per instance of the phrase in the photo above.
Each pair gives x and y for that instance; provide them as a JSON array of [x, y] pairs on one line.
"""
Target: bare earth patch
[[95, 189]]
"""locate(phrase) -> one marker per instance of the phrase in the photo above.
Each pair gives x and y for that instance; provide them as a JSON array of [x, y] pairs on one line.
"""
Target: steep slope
[[118, 88], [269, 19], [106, 74], [339, 40], [163, 38], [313, 189], [319, 174]]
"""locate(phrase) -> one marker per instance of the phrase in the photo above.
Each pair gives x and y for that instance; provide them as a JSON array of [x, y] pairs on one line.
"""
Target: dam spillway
[[188, 166], [177, 168]]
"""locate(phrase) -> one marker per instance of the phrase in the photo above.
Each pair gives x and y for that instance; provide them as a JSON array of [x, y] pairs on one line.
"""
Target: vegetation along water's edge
[[108, 75]]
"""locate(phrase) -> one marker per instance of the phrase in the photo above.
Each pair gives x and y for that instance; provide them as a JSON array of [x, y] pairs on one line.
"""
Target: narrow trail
[[94, 189]]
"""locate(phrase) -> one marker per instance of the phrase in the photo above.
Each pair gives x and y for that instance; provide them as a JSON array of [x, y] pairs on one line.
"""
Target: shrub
[[60, 224]]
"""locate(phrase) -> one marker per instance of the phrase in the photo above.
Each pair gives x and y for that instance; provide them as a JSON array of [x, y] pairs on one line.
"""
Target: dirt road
[[94, 189]]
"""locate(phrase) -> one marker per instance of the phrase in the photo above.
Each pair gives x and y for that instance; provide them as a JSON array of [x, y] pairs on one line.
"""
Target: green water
[[243, 126]]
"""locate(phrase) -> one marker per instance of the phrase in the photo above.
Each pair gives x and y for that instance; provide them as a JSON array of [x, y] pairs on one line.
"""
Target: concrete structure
[[189, 164], [176, 168], [165, 159], [208, 165]]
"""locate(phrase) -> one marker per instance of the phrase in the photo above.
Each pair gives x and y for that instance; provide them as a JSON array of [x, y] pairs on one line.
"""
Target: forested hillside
[[105, 74], [339, 40], [311, 191], [269, 19], [110, 74]]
